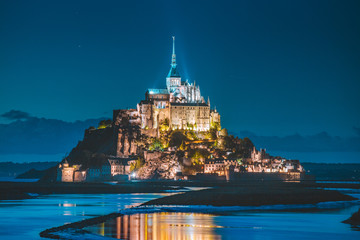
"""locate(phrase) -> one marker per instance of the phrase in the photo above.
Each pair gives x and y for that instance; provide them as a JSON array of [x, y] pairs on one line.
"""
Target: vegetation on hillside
[[104, 124], [191, 147], [137, 165]]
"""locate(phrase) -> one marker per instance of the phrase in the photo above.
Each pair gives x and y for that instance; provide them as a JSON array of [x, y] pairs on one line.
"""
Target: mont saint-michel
[[178, 120], [173, 133]]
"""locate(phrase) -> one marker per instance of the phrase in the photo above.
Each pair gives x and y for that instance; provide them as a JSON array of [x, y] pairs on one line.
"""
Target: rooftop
[[190, 104], [157, 91], [173, 72]]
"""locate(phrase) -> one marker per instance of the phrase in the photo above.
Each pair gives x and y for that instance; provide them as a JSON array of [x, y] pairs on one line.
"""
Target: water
[[240, 225], [306, 224], [25, 219]]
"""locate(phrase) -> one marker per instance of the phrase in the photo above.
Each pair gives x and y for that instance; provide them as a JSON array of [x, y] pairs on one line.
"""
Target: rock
[[162, 166], [354, 219]]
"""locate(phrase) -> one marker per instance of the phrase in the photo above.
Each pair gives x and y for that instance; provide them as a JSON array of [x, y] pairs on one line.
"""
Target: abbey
[[172, 134], [180, 104]]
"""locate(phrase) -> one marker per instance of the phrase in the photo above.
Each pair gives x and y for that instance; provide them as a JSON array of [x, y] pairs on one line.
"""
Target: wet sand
[[248, 189], [254, 194], [244, 194], [21, 190]]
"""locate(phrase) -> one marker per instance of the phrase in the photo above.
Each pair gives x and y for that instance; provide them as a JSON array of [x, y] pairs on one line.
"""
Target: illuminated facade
[[180, 102], [67, 173], [109, 170], [219, 166], [259, 156]]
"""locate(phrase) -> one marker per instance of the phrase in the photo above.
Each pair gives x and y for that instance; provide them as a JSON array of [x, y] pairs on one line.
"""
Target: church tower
[[173, 79]]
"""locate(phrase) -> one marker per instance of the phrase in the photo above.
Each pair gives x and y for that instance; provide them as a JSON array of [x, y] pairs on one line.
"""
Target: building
[[93, 174], [113, 169], [67, 173], [218, 166], [120, 166], [259, 156], [180, 103]]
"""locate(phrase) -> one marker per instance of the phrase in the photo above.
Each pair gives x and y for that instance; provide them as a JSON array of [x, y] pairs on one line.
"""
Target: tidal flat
[[222, 212], [254, 194]]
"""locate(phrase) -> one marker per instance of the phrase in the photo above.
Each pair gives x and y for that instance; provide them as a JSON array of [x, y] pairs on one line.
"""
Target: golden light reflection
[[160, 226], [67, 213], [67, 204]]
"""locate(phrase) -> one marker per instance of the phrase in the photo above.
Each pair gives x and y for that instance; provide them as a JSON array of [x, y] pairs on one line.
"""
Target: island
[[173, 133]]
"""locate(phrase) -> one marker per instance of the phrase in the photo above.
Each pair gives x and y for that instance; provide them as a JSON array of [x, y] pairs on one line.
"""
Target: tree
[[191, 135], [156, 145], [104, 124], [138, 164], [176, 138], [199, 155], [211, 134], [223, 132], [164, 125], [182, 146], [190, 126]]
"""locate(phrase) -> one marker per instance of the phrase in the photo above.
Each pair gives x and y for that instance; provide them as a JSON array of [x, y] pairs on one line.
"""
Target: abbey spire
[[173, 70], [173, 56]]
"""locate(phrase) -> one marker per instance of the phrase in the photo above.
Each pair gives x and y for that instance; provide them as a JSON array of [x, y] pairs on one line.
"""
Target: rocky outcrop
[[162, 166], [97, 143], [117, 139], [123, 137], [126, 142], [127, 132]]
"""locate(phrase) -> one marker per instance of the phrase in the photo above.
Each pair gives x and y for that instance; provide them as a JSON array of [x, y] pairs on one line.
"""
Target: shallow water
[[25, 219], [254, 224], [238, 225]]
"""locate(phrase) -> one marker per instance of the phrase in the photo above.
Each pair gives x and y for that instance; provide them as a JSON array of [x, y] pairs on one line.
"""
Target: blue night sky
[[270, 67]]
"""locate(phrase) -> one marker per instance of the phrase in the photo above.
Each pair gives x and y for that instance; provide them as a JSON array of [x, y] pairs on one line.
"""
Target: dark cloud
[[15, 115]]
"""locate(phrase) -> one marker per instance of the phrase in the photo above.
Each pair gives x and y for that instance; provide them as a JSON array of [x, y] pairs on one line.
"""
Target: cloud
[[15, 115]]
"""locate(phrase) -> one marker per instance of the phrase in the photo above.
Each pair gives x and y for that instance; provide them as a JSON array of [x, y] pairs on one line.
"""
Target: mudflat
[[221, 193], [254, 194], [21, 190]]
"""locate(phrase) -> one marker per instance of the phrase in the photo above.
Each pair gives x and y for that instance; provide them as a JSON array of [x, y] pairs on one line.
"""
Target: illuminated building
[[180, 103]]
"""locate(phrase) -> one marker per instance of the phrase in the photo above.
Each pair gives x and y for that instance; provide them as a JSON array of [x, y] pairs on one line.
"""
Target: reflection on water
[[157, 226], [283, 225], [66, 204], [25, 219]]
